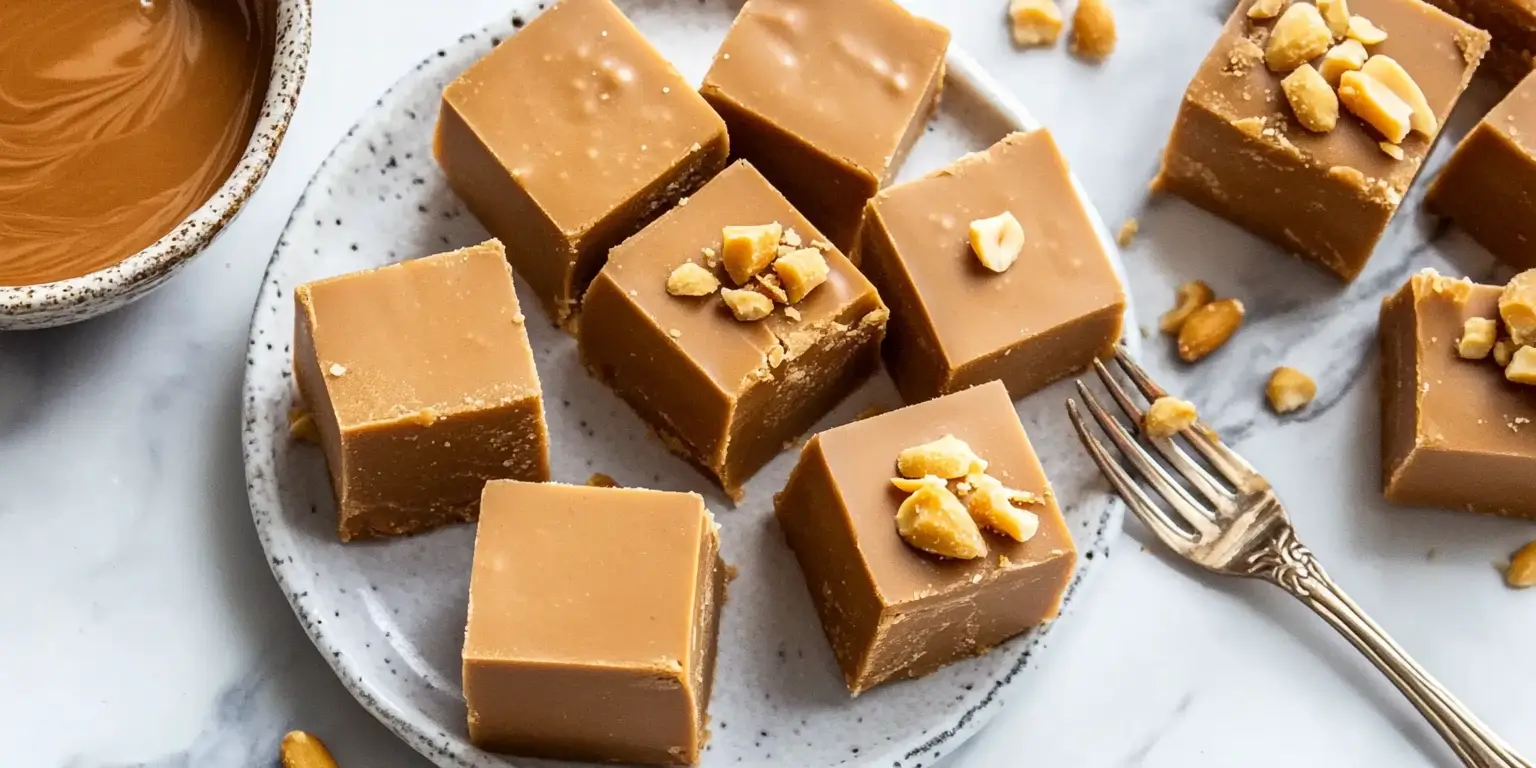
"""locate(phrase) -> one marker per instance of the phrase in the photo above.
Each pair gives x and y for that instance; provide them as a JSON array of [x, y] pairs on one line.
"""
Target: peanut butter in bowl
[[131, 132]]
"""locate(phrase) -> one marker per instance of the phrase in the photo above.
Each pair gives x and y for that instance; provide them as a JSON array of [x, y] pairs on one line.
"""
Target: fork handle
[[1288, 564]]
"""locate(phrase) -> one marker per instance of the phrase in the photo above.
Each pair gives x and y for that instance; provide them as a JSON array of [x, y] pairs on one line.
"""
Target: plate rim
[[410, 724]]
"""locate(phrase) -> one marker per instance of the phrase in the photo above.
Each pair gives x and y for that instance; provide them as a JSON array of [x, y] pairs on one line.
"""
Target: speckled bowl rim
[[453, 751], [46, 305]]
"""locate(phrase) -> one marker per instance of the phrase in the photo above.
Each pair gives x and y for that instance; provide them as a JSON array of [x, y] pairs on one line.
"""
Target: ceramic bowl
[[79, 298]]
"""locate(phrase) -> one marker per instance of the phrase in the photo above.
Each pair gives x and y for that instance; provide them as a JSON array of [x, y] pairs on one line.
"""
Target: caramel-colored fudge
[[827, 98], [1238, 151], [1455, 434], [593, 617], [955, 324], [725, 393], [1512, 23], [422, 387], [892, 611], [1488, 187], [569, 137]]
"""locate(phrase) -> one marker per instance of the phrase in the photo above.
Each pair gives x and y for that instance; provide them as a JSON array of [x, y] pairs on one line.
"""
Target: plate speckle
[[389, 616]]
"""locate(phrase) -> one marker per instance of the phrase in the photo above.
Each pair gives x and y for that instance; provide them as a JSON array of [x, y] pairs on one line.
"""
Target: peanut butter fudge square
[[1512, 23], [1488, 187], [891, 604], [731, 326], [1307, 128], [593, 618], [422, 387], [827, 98], [931, 247], [1458, 395], [568, 138]]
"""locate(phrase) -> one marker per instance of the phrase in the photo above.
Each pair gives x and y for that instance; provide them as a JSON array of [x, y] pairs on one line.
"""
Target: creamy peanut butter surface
[[117, 119]]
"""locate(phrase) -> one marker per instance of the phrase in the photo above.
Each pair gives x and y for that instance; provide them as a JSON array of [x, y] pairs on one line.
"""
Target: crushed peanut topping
[[1347, 56], [1169, 416], [746, 304], [1388, 72], [1522, 366], [1034, 22], [1503, 352], [1289, 390], [1189, 297], [1336, 14], [790, 238], [1298, 37], [913, 484], [768, 284], [792, 314], [749, 249], [991, 505], [1093, 29], [690, 279], [801, 272], [1391, 150], [1208, 328], [997, 241], [1267, 9], [948, 457], [1521, 572], [711, 257], [1361, 29], [1373, 102], [1517, 305], [933, 519], [1457, 289], [1478, 335], [1314, 102]]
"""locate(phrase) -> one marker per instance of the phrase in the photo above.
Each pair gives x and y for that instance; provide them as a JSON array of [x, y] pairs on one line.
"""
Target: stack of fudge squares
[[733, 261], [1306, 124]]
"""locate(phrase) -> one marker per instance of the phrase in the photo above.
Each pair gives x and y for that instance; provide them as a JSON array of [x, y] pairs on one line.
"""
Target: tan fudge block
[[1488, 187]]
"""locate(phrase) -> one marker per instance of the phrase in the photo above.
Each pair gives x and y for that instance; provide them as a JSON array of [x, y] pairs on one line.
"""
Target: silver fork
[[1232, 523]]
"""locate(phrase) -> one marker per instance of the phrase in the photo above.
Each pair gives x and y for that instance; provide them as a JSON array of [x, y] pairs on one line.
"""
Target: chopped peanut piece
[[1336, 14], [792, 314], [948, 457], [1208, 328], [990, 504], [1391, 150], [1457, 289], [1361, 28], [1298, 37], [748, 250], [933, 519], [690, 279], [791, 238], [1190, 296], [1503, 352], [1522, 366], [1127, 233], [1521, 572], [1478, 335], [300, 749], [600, 480], [746, 304], [301, 426], [1315, 104], [800, 272], [1376, 104], [914, 484], [1517, 305], [997, 241], [1347, 56], [1289, 390], [1093, 29], [768, 285], [1266, 9], [1169, 416], [1388, 72], [1034, 22]]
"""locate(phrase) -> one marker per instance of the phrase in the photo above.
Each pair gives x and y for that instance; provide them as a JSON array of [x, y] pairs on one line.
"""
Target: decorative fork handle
[[1288, 564]]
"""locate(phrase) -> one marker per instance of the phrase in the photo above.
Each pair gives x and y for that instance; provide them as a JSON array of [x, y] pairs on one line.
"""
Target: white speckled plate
[[389, 616]]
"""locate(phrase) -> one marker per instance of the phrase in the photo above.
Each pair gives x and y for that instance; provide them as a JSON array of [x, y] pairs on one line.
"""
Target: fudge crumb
[[1169, 416], [600, 480], [1299, 36], [1478, 335], [1361, 28], [1289, 390], [338, 370], [747, 250], [933, 520], [1521, 571], [1127, 232], [1034, 23], [301, 426], [1189, 297], [746, 305], [792, 314], [690, 279], [674, 333], [1253, 127], [518, 318], [947, 458], [997, 241], [801, 272], [1093, 30]]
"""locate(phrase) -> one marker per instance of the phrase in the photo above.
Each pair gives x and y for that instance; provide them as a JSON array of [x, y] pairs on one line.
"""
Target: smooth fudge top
[[1061, 274], [543, 585], [420, 339], [582, 110], [862, 458], [845, 76], [1438, 51], [728, 350], [1515, 116]]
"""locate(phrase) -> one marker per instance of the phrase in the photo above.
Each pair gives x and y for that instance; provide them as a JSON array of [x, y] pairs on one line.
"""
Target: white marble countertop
[[139, 624]]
